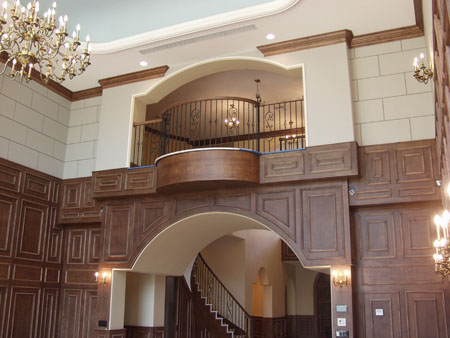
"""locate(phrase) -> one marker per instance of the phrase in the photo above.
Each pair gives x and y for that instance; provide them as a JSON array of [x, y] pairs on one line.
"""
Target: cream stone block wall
[[82, 138], [389, 105], [34, 123]]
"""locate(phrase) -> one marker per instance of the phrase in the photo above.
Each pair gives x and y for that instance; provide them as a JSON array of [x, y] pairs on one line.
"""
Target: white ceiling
[[289, 19]]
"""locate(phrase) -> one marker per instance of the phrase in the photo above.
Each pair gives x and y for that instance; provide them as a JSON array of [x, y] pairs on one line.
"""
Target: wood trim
[[308, 42], [418, 11], [123, 79], [87, 93], [386, 36]]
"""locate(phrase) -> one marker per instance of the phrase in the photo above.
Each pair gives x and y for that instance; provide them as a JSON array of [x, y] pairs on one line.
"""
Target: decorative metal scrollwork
[[194, 123], [269, 123]]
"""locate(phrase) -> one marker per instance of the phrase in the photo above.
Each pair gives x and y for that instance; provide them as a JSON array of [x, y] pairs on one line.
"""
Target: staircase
[[226, 309]]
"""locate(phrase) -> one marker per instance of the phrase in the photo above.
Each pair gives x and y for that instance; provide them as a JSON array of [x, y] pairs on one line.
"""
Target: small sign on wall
[[379, 312], [341, 322]]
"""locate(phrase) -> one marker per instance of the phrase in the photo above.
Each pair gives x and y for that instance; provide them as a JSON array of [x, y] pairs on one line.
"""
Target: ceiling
[[178, 33]]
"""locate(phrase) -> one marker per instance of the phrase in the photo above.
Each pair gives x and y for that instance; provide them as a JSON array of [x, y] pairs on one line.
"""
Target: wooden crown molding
[[308, 42], [389, 35], [120, 80]]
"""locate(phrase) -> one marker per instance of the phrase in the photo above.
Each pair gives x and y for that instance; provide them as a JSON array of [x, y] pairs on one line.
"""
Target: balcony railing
[[202, 124]]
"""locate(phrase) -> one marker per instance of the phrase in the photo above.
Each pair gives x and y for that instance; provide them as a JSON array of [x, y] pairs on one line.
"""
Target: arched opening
[[240, 251], [240, 103]]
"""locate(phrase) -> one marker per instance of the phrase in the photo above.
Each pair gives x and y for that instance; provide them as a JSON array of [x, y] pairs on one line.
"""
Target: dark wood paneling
[[8, 214], [38, 187], [10, 176], [90, 312], [124, 182], [76, 247], [95, 242], [387, 325], [286, 253], [119, 231], [32, 231], [151, 214], [28, 273], [398, 172], [337, 160], [3, 309], [54, 246], [71, 313], [49, 313], [325, 222], [206, 169], [24, 312], [426, 314]]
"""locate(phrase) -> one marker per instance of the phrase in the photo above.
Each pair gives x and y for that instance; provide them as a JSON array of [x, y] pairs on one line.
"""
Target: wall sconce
[[341, 278], [442, 243], [101, 280], [422, 73]]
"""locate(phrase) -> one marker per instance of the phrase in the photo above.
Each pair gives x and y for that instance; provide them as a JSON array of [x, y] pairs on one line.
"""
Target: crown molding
[[308, 42], [194, 26], [87, 93], [386, 36], [142, 75]]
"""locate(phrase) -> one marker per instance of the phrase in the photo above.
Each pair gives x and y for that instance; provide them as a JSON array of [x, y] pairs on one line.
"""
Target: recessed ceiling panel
[[121, 19]]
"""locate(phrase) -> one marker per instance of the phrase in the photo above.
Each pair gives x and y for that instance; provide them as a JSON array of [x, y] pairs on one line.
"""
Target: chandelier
[[33, 42], [422, 73], [232, 121]]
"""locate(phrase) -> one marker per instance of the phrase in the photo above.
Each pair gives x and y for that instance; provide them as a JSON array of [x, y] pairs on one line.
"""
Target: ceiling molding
[[389, 35], [87, 93], [308, 42], [120, 80], [194, 26], [418, 11]]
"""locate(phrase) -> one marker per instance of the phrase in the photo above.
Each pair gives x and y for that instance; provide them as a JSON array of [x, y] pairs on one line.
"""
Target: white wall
[[226, 257], [389, 104], [82, 138], [144, 300], [34, 123]]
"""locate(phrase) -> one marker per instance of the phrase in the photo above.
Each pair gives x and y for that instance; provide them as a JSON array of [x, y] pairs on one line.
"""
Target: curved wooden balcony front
[[207, 168]]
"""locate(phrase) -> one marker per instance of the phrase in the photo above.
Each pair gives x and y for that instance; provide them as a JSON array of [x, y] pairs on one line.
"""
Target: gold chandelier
[[422, 73], [442, 243], [33, 42]]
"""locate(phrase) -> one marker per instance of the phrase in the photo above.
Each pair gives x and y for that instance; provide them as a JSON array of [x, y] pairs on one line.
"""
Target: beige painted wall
[[144, 300], [226, 257]]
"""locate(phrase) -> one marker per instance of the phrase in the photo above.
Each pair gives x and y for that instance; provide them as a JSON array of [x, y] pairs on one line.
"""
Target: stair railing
[[220, 299]]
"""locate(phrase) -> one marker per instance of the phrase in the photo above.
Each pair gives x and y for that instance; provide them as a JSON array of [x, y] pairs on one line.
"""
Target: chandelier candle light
[[442, 244], [422, 73], [33, 42]]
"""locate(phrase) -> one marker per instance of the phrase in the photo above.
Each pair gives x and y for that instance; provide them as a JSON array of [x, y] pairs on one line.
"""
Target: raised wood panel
[[76, 246], [278, 167], [28, 273], [52, 275], [398, 172], [389, 324], [119, 231], [54, 246], [336, 160], [80, 276], [5, 270], [418, 231], [376, 235], [279, 208], [151, 214], [49, 314], [90, 313], [191, 203], [107, 183], [3, 309], [71, 313], [8, 214], [140, 180], [38, 187], [10, 176], [24, 312], [323, 223], [237, 200], [71, 195], [400, 275], [87, 201], [286, 253], [32, 231], [95, 242], [426, 314]]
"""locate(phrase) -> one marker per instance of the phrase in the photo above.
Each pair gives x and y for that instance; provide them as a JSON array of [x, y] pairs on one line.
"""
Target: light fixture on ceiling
[[270, 36], [143, 63], [422, 73], [32, 42], [232, 120]]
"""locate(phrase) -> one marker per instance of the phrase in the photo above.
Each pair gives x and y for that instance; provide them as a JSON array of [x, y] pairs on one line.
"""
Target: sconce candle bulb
[[422, 73], [341, 278]]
